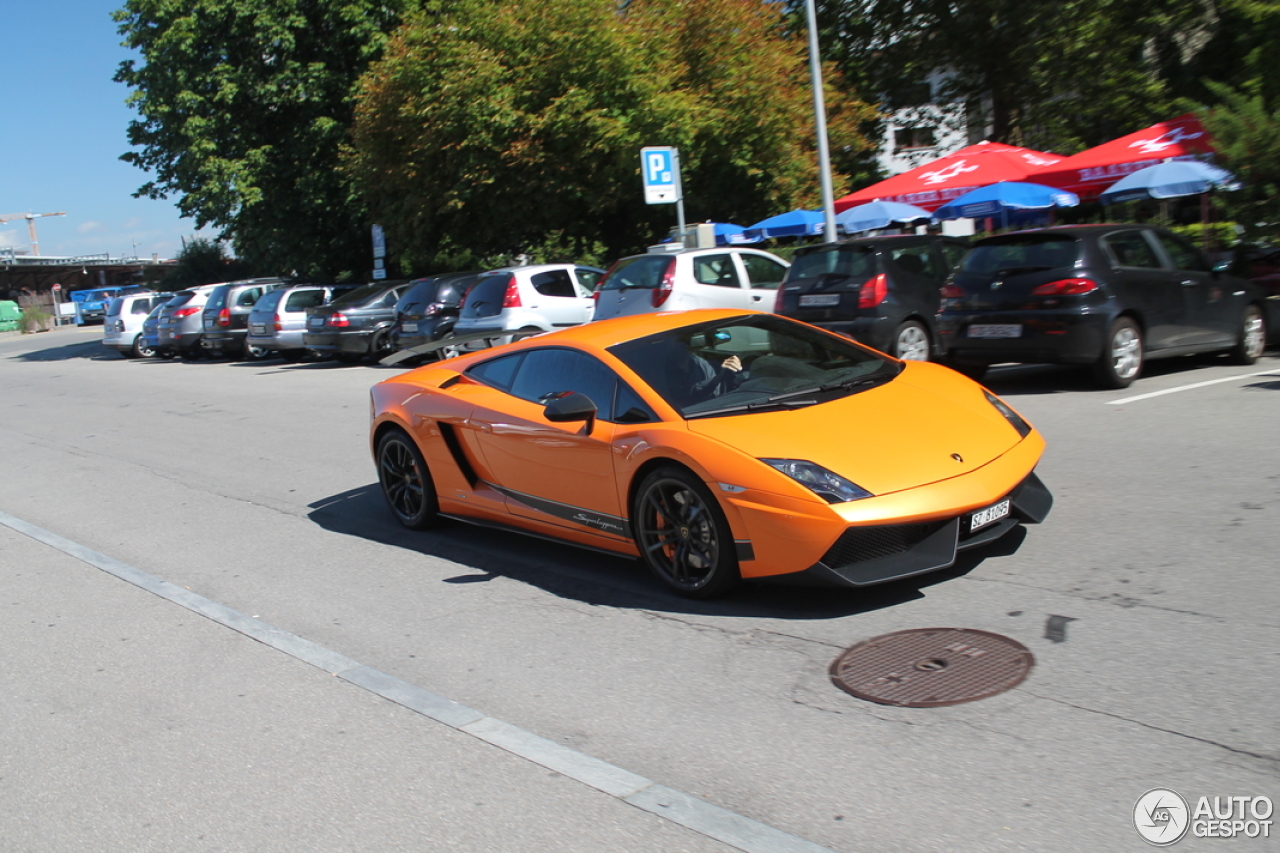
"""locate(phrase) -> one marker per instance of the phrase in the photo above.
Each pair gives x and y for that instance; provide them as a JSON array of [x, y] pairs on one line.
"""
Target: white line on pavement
[[1190, 387]]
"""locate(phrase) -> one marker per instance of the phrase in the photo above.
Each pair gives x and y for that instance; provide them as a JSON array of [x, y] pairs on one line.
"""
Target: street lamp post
[[820, 126]]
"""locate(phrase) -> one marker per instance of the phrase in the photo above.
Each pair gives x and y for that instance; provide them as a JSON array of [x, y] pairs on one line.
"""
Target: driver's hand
[[732, 363]]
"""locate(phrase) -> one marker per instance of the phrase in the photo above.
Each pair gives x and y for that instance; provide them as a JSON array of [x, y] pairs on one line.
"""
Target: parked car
[[150, 335], [608, 436], [356, 325], [693, 278], [91, 305], [516, 302], [279, 319], [122, 329], [225, 317], [181, 325], [880, 291], [429, 308], [1111, 296]]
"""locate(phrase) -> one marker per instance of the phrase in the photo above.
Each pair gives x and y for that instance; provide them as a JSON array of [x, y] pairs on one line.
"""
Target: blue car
[[91, 305]]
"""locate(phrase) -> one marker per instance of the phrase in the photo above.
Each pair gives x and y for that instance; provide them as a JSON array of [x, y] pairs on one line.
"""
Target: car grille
[[859, 544]]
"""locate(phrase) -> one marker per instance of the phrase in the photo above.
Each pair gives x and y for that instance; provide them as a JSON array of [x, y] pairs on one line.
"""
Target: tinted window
[[182, 297], [299, 300], [589, 278], [1021, 254], [1131, 249], [248, 297], [217, 298], [553, 283], [142, 305], [916, 259], [953, 253], [360, 294], [485, 299], [716, 270], [113, 309], [545, 372], [1183, 255], [497, 372], [642, 271], [763, 272], [630, 408], [856, 262]]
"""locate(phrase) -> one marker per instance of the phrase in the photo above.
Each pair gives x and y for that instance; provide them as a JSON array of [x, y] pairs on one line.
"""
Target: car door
[[762, 276], [559, 299], [717, 282], [1142, 283], [1208, 315], [555, 473]]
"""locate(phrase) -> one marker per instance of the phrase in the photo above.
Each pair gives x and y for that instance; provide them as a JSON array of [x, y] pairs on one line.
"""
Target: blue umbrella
[[733, 235], [797, 223], [1170, 179], [877, 214], [1003, 197]]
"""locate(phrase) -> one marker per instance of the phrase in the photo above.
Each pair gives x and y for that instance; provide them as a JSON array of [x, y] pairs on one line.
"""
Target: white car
[[689, 279], [122, 326], [516, 302]]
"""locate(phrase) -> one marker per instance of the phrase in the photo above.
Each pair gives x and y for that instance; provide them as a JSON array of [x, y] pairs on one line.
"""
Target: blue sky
[[62, 131]]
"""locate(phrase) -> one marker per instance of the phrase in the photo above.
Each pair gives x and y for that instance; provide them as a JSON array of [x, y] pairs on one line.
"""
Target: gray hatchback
[[279, 319]]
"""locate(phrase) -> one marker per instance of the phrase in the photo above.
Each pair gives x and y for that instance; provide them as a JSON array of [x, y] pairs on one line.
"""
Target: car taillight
[[184, 312], [433, 309], [224, 317], [511, 299], [663, 291], [873, 292], [1066, 287], [952, 291], [279, 325], [339, 321], [781, 299]]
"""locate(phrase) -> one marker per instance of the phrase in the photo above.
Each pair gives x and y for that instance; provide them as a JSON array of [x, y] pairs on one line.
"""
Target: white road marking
[[675, 806], [1192, 386]]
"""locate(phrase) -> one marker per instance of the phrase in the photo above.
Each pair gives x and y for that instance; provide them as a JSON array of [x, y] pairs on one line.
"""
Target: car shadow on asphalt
[[615, 581], [1028, 379], [86, 350]]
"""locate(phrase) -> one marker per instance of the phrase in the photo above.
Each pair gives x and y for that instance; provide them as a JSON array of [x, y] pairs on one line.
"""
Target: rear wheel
[[911, 342], [255, 353], [1122, 354], [683, 535], [1253, 337], [450, 351], [140, 348], [406, 482], [381, 346]]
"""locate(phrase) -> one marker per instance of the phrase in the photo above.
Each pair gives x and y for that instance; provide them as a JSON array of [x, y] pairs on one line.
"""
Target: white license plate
[[258, 329], [996, 330], [991, 514], [819, 300], [409, 327], [315, 322]]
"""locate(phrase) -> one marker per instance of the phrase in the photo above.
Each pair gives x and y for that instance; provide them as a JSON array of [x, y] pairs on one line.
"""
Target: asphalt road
[[244, 495]]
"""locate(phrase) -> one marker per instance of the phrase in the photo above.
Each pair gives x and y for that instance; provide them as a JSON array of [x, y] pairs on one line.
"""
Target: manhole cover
[[929, 667]]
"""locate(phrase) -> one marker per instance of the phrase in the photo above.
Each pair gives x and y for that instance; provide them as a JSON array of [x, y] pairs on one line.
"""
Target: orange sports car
[[715, 446]]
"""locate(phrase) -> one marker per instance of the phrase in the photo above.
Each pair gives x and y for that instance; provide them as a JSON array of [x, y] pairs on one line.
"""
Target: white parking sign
[[660, 168]]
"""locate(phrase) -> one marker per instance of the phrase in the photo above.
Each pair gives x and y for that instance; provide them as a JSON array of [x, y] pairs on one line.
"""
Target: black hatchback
[[1110, 296], [356, 325], [881, 291], [429, 308]]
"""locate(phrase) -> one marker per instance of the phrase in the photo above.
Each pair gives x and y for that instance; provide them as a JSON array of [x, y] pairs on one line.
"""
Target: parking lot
[[143, 716]]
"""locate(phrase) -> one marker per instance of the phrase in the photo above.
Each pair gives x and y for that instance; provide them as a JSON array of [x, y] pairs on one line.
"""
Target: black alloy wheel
[[381, 346], [682, 534], [1253, 337], [406, 482], [1122, 355]]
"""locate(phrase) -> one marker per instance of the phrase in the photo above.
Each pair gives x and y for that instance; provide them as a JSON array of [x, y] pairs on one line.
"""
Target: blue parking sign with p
[[661, 172]]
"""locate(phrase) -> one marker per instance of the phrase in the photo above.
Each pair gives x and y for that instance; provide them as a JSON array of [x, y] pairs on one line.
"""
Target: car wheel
[[140, 348], [381, 346], [255, 353], [451, 351], [911, 342], [682, 534], [406, 481], [1121, 359], [527, 332], [166, 352], [1253, 337]]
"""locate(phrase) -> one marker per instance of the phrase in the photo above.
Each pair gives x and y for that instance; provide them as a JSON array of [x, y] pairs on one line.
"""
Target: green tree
[[243, 106], [201, 261], [510, 126]]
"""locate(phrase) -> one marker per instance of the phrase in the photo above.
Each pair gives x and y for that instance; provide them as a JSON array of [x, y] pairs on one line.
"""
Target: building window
[[913, 137]]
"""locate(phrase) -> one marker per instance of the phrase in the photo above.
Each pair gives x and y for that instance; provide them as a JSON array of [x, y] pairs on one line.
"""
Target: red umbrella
[[1090, 172], [934, 184]]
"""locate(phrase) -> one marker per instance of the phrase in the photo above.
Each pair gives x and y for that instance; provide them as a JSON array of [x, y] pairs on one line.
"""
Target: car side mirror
[[571, 407]]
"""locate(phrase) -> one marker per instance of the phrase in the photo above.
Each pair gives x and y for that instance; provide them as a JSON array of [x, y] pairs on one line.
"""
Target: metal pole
[[675, 161], [820, 126]]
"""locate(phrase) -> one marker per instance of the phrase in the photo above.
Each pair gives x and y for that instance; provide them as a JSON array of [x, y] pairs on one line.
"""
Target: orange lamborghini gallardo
[[715, 446]]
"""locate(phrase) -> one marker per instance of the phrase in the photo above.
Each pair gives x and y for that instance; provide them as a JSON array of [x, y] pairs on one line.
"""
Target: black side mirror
[[571, 407]]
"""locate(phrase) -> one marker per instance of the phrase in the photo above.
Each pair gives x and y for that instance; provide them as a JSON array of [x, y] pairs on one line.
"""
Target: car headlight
[[828, 485], [1010, 415]]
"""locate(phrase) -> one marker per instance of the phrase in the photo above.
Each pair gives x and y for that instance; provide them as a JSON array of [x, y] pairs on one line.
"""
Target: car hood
[[904, 434]]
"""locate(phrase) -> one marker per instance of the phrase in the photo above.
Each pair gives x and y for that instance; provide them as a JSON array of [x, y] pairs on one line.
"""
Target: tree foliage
[[201, 261], [243, 105], [494, 127]]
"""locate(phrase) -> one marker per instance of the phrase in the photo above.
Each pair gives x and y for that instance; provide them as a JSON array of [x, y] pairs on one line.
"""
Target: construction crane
[[31, 225]]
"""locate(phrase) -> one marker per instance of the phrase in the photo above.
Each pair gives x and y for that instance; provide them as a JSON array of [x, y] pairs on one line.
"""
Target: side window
[[497, 372], [715, 269], [1184, 256], [304, 299], [551, 371], [953, 253], [141, 306], [763, 272], [554, 283], [1131, 249], [917, 260], [248, 297], [589, 278], [630, 408]]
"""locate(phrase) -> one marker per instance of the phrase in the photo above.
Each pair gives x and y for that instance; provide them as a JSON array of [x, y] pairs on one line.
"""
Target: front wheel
[[1253, 337], [406, 482], [683, 535], [1122, 354], [911, 342]]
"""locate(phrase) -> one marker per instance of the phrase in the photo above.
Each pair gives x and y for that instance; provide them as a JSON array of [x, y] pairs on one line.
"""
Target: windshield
[[1021, 253], [857, 262], [751, 363]]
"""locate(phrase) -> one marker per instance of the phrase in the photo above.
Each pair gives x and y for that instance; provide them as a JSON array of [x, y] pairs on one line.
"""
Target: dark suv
[[226, 316], [880, 291], [356, 325], [1110, 296], [429, 308]]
